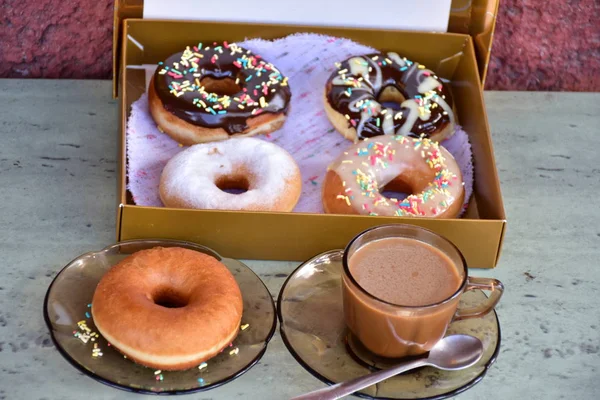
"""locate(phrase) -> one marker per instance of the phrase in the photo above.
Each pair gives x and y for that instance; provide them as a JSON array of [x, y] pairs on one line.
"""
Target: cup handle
[[492, 285]]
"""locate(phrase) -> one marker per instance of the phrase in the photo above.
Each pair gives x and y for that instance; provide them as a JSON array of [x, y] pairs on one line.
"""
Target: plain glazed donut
[[168, 308], [198, 177], [356, 93], [354, 182], [209, 93]]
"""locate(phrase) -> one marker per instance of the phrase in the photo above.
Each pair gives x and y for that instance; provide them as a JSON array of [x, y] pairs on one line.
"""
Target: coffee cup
[[401, 288]]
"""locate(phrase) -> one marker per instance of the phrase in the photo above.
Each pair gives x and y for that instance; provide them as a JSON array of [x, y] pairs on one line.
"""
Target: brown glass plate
[[70, 293], [312, 327]]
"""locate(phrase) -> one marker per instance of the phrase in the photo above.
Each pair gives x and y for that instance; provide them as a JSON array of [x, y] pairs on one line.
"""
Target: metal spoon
[[451, 353]]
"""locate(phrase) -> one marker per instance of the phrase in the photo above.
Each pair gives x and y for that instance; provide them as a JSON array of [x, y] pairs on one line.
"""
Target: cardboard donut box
[[461, 56]]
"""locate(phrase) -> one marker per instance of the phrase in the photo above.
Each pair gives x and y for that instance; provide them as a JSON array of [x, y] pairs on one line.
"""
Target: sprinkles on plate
[[86, 335]]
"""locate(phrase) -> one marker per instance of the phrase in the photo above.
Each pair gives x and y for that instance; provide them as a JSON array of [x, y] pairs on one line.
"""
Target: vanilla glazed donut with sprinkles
[[213, 92], [356, 181], [385, 94]]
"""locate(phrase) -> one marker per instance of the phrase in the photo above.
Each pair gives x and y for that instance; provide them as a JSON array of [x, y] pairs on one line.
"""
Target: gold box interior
[[298, 236]]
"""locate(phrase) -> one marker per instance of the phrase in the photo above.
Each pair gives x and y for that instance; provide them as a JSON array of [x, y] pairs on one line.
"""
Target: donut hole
[[391, 97], [397, 189], [223, 86], [169, 298], [233, 184]]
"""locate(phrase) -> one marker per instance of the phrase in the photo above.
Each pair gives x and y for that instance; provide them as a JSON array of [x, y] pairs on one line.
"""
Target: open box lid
[[475, 17]]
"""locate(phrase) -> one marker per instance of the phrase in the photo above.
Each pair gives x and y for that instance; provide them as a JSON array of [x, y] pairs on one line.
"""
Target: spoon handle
[[345, 388]]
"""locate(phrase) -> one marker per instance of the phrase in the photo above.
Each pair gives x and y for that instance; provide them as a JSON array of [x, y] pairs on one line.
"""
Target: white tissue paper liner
[[307, 60]]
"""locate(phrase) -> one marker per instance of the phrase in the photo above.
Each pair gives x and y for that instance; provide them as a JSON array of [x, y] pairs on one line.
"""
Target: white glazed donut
[[198, 177]]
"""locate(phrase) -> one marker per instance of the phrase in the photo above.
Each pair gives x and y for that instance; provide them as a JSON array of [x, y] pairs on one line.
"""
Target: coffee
[[408, 275], [404, 271], [401, 287]]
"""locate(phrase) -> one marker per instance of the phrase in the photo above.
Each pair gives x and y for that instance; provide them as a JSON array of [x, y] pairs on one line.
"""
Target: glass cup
[[392, 330]]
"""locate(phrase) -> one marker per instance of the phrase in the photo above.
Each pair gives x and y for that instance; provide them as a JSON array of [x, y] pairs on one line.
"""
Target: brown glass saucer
[[67, 303], [312, 327]]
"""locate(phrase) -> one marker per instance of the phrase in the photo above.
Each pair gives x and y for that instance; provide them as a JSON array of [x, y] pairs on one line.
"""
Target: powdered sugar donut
[[235, 174]]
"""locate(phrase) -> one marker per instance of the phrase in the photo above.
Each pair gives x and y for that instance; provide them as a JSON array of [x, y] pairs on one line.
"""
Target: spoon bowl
[[455, 352]]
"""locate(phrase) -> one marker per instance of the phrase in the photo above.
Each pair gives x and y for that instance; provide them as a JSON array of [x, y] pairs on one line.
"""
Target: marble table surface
[[57, 192]]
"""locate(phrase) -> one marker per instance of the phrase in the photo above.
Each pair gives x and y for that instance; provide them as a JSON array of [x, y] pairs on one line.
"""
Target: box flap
[[483, 24], [475, 17], [123, 9]]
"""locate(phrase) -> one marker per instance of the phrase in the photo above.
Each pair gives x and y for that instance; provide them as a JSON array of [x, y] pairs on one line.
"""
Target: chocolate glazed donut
[[212, 93], [357, 91]]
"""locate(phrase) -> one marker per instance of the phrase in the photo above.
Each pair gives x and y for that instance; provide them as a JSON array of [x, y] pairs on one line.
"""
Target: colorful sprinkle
[[345, 198]]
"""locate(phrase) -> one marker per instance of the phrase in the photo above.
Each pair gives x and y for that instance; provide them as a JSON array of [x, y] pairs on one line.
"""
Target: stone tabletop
[[57, 200]]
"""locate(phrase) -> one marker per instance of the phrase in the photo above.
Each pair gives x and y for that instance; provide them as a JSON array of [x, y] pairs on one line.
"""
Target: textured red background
[[538, 45]]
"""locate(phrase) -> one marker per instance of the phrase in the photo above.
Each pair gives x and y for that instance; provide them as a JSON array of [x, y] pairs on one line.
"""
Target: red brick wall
[[538, 45]]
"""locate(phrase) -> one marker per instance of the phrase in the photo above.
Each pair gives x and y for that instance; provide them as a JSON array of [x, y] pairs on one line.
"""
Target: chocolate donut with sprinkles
[[385, 94], [213, 92], [355, 183]]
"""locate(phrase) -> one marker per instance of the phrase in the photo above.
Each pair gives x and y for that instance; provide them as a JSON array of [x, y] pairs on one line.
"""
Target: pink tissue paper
[[307, 60]]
